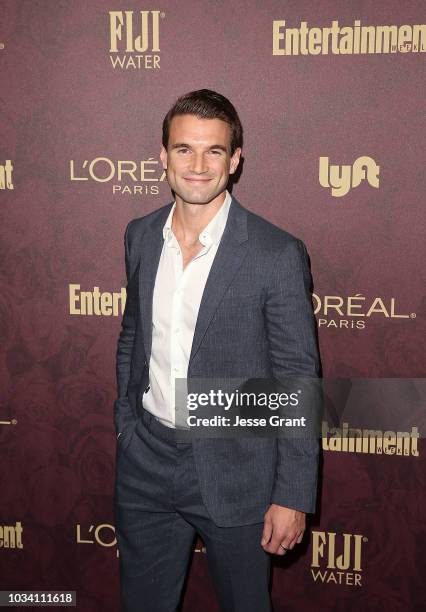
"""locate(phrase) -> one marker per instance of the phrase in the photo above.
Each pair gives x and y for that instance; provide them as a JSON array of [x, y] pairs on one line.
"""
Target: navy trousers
[[158, 512]]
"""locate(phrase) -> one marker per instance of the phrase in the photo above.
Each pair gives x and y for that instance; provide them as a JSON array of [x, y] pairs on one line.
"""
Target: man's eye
[[215, 151], [183, 150]]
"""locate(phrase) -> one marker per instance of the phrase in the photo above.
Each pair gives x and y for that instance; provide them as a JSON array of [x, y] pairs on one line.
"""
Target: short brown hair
[[206, 104]]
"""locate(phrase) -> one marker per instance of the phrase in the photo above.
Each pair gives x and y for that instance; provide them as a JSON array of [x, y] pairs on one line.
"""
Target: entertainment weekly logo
[[135, 39], [6, 169], [346, 439], [355, 39], [125, 177], [11, 536]]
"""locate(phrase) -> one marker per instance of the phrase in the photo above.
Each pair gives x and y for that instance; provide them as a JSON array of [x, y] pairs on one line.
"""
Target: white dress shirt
[[176, 301]]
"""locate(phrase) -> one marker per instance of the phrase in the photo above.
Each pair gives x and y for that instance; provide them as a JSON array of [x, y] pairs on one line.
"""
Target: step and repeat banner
[[331, 97]]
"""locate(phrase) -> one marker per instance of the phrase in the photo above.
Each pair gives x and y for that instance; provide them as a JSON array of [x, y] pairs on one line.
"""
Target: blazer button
[[147, 389]]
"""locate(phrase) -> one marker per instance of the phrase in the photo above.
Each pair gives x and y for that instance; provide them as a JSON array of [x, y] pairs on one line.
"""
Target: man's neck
[[189, 220]]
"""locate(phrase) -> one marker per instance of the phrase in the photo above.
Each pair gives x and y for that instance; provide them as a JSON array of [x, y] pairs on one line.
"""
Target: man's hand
[[283, 527]]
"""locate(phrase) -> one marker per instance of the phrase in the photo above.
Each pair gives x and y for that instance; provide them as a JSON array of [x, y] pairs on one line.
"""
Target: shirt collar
[[213, 231]]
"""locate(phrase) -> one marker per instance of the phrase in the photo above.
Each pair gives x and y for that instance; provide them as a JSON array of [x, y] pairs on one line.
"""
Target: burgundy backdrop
[[80, 136]]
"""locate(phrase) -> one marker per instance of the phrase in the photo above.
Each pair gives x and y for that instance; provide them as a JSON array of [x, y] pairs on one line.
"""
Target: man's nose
[[199, 163]]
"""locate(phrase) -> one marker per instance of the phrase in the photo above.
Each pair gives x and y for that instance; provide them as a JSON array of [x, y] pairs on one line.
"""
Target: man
[[213, 291]]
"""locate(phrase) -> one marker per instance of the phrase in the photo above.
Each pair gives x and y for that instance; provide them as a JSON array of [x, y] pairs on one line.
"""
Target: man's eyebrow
[[178, 145], [218, 146]]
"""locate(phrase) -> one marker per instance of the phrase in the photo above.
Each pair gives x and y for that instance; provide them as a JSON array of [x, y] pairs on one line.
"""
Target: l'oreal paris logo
[[353, 311]]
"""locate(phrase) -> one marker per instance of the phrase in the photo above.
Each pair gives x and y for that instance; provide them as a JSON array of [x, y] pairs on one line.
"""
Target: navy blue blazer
[[255, 320]]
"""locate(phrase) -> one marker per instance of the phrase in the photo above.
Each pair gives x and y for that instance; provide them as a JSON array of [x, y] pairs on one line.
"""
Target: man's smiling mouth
[[196, 180]]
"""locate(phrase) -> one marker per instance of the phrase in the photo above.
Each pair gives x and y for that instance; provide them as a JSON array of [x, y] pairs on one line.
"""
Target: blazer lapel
[[151, 247], [229, 257]]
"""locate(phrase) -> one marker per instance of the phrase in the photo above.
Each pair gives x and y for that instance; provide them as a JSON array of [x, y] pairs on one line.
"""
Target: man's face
[[198, 158]]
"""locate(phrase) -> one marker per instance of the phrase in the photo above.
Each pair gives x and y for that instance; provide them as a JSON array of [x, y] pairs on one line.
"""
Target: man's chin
[[194, 197]]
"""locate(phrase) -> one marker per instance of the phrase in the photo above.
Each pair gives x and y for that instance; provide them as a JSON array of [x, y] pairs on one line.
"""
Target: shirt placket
[[176, 362], [177, 357]]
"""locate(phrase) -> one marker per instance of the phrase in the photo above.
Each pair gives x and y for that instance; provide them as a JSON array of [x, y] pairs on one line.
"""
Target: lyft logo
[[342, 178]]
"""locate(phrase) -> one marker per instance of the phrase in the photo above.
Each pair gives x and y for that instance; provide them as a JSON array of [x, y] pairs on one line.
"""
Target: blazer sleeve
[[291, 331], [123, 412]]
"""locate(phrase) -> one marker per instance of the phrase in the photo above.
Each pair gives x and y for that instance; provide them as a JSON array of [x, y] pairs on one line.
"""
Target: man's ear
[[235, 160], [163, 157]]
